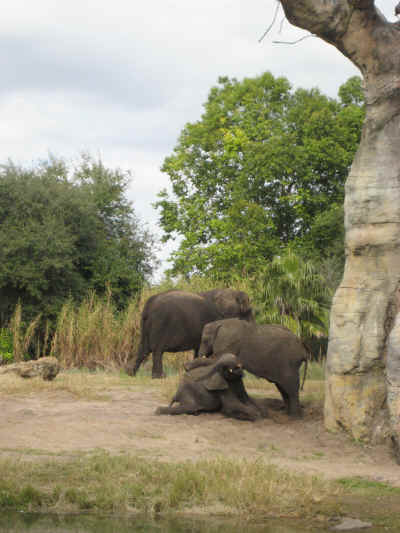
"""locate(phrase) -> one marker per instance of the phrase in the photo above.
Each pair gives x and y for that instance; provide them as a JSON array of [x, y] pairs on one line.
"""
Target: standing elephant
[[269, 351], [172, 321], [214, 385]]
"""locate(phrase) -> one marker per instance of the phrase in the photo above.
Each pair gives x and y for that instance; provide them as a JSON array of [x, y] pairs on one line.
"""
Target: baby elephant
[[214, 385], [268, 351]]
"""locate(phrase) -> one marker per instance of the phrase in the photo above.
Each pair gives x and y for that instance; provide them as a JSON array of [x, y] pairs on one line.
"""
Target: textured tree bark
[[359, 397]]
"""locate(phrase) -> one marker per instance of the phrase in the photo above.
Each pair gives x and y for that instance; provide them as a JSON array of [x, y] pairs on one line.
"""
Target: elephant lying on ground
[[172, 321], [268, 351], [214, 385]]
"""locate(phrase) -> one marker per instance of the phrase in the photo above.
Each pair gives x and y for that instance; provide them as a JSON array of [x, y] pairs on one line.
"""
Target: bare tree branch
[[295, 42], [272, 23]]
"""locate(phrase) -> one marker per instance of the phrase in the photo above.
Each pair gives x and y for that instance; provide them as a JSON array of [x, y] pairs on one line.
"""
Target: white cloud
[[122, 78]]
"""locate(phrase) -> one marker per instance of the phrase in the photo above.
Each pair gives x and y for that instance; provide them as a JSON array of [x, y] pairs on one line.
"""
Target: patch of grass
[[313, 395], [374, 500], [83, 384], [359, 483], [315, 370], [125, 484]]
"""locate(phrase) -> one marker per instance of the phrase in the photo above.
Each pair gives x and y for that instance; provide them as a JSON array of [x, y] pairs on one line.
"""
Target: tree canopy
[[256, 172], [65, 230]]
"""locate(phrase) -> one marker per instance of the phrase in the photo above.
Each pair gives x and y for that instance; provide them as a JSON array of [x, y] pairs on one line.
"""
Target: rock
[[362, 310], [354, 403], [393, 381], [46, 367], [351, 523]]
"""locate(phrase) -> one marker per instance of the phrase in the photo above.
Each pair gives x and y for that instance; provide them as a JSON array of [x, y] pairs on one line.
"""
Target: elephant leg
[[242, 411], [157, 371], [176, 410], [290, 390], [234, 408], [284, 394], [260, 405], [188, 406], [196, 363]]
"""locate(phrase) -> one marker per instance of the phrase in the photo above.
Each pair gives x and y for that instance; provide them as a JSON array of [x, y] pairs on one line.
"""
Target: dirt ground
[[43, 423]]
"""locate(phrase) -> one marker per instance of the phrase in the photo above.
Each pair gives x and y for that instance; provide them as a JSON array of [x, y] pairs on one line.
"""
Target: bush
[[6, 346]]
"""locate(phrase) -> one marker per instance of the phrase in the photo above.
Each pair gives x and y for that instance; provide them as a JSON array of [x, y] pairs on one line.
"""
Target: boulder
[[45, 367]]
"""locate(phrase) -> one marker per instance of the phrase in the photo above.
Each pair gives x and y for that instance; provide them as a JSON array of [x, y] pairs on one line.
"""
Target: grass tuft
[[124, 484]]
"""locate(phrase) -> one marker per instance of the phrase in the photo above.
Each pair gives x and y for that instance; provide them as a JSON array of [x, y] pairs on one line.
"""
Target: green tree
[[292, 292], [252, 175], [66, 230]]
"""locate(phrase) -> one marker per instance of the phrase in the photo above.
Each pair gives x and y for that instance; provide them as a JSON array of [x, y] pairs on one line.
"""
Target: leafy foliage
[[6, 345], [64, 231], [291, 292], [254, 173]]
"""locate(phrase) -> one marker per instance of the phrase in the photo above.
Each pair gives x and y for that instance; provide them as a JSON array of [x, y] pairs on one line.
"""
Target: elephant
[[172, 321], [214, 385], [269, 351]]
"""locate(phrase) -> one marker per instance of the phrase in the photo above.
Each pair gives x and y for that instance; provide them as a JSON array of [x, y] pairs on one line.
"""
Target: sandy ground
[[46, 422]]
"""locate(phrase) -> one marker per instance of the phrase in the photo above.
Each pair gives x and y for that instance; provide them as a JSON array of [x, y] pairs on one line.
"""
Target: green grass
[[361, 484], [315, 370], [124, 484]]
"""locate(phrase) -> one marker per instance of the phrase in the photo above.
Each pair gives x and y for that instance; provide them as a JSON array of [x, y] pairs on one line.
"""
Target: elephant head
[[226, 369], [232, 303], [208, 337], [223, 336]]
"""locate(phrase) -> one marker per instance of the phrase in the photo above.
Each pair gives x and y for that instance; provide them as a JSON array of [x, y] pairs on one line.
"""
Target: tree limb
[[317, 16], [272, 23], [352, 26], [363, 4]]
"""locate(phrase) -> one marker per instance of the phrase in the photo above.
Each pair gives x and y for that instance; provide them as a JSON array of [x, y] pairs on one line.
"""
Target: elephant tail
[[142, 353], [307, 357], [144, 344], [304, 373]]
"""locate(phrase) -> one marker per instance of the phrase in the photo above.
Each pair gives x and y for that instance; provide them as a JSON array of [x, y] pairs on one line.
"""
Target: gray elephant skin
[[211, 385], [268, 351], [173, 321]]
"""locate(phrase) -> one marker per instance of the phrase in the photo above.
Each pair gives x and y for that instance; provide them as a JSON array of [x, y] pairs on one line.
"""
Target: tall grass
[[22, 337], [95, 334], [122, 484]]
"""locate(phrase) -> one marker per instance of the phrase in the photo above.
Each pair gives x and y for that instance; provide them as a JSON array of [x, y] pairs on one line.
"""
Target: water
[[39, 523]]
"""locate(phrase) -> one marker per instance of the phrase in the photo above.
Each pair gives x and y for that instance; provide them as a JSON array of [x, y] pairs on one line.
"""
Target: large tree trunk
[[362, 373]]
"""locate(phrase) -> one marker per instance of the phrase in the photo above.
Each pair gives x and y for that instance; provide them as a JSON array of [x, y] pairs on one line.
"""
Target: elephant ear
[[226, 303], [243, 302], [216, 382], [231, 303]]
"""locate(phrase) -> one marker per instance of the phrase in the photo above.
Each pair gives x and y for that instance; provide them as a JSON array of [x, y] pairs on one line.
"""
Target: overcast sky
[[120, 79]]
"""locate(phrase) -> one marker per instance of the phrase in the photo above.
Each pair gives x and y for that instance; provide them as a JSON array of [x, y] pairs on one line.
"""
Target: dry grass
[[92, 384], [81, 384], [22, 336], [126, 484], [94, 334]]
